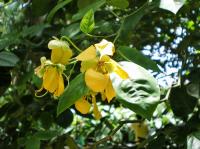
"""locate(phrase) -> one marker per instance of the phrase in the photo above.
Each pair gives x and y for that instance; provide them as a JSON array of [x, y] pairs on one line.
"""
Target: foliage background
[[171, 43]]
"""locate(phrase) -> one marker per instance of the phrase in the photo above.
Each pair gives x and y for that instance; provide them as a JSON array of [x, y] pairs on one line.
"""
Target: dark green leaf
[[84, 3], [77, 88], [71, 30], [8, 59], [132, 20], [34, 30], [46, 135], [87, 23], [71, 143], [132, 54], [56, 8], [181, 103], [40, 7], [95, 5], [32, 143], [172, 5], [140, 93], [119, 3]]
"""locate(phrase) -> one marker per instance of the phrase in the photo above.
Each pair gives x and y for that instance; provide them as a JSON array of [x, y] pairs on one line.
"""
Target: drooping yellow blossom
[[51, 71], [83, 106], [97, 66]]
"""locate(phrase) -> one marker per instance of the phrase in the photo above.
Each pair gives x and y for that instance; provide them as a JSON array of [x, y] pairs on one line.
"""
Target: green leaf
[[130, 22], [95, 5], [71, 143], [119, 3], [56, 8], [132, 54], [41, 7], [87, 23], [34, 30], [8, 59], [77, 88], [32, 143], [192, 142], [71, 30], [181, 102], [172, 5], [46, 135], [140, 93]]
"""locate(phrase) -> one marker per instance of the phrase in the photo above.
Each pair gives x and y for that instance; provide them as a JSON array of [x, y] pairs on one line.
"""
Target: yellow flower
[[83, 106], [51, 70], [61, 53], [53, 81], [97, 66]]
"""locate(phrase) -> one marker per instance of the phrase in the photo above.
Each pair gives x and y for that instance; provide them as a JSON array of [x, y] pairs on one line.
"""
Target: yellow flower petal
[[109, 91], [83, 106], [60, 88], [88, 54], [58, 44], [119, 70], [85, 65], [96, 81], [141, 130], [61, 56], [61, 53], [105, 47], [97, 114], [50, 79]]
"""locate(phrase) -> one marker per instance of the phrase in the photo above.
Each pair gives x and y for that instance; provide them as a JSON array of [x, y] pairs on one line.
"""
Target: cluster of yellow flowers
[[96, 64]]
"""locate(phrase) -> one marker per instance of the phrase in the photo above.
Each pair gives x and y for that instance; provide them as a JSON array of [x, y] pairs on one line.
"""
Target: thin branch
[[113, 132]]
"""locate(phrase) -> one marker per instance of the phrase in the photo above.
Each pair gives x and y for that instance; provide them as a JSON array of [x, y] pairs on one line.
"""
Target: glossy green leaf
[[8, 59], [172, 5], [56, 8], [87, 23], [181, 102], [132, 54], [95, 5], [77, 88], [140, 93], [119, 3]]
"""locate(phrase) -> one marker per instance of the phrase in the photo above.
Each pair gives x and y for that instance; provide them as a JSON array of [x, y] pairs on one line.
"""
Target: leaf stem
[[71, 42]]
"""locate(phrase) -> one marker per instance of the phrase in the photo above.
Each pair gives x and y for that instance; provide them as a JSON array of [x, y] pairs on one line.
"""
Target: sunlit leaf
[[172, 5], [140, 93], [87, 23], [77, 88]]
